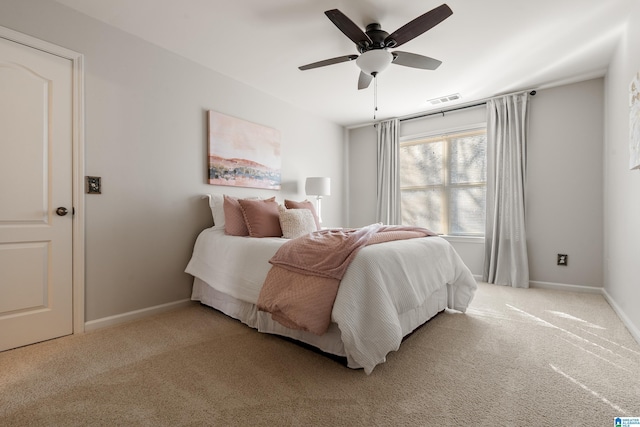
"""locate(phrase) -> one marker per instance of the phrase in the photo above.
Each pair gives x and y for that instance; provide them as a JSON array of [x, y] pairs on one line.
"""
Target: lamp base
[[319, 208]]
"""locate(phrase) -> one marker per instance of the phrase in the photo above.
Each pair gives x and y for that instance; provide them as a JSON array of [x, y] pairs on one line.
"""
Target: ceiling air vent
[[443, 99]]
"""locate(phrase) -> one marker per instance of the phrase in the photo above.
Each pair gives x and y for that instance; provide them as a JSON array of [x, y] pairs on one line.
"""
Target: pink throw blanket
[[303, 282]]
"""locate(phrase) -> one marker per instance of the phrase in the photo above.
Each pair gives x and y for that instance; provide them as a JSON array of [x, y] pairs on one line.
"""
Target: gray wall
[[564, 184], [146, 137], [361, 173], [565, 147], [621, 185]]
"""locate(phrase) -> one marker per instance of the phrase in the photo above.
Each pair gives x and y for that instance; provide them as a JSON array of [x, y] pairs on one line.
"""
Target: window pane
[[423, 208], [467, 210], [421, 164], [468, 159]]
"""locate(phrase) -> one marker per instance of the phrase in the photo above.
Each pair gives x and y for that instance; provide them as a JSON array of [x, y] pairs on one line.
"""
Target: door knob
[[62, 211]]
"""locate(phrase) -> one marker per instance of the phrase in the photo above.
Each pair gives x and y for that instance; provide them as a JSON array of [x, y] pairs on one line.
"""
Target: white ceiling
[[487, 47]]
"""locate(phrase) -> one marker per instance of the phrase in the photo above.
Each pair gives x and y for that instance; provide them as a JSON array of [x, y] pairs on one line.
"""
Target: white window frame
[[406, 140]]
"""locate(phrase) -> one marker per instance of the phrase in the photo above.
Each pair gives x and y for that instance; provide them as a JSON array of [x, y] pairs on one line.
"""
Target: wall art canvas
[[243, 154], [634, 122]]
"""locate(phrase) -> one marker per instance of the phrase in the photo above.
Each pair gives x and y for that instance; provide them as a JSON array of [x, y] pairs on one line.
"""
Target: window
[[443, 182]]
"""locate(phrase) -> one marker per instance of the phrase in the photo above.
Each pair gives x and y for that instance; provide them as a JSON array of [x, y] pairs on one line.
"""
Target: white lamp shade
[[374, 61], [318, 186]]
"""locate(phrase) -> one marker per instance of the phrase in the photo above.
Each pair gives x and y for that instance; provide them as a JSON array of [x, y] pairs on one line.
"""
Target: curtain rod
[[532, 93]]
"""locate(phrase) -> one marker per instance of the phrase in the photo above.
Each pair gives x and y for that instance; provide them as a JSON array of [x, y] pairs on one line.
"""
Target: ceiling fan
[[374, 44]]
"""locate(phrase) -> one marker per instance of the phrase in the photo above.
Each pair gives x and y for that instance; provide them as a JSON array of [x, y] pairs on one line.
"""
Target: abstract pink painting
[[243, 154]]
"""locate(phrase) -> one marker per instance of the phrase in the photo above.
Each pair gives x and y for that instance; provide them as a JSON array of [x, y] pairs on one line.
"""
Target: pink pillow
[[306, 204], [262, 217], [234, 224]]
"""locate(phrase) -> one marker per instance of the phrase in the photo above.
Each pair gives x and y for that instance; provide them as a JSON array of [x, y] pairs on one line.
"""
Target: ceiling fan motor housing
[[377, 36]]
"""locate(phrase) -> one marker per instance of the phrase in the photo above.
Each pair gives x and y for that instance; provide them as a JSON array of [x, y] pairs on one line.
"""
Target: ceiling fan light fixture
[[374, 61]]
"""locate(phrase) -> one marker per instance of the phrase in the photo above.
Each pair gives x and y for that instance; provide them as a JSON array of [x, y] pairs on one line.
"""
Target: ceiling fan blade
[[418, 26], [326, 62], [364, 80], [348, 27], [413, 60]]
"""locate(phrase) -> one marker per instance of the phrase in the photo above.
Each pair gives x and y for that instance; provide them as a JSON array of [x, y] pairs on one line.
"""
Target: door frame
[[78, 256]]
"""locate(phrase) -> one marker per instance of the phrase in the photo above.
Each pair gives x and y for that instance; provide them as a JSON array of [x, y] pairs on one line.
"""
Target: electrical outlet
[[563, 259], [94, 185]]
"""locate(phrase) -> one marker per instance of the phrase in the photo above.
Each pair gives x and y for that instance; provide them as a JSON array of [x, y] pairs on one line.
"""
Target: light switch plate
[[94, 185]]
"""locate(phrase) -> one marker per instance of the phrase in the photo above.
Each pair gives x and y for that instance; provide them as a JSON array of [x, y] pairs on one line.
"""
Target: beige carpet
[[517, 358]]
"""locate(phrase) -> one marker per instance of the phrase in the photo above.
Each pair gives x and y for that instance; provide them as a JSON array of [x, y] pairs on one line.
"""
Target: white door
[[36, 131]]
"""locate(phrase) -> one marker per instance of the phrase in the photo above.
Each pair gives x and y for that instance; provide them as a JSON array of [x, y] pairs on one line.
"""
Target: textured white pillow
[[296, 222], [216, 203]]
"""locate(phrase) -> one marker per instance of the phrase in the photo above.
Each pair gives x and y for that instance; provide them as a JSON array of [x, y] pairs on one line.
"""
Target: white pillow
[[216, 203], [296, 222]]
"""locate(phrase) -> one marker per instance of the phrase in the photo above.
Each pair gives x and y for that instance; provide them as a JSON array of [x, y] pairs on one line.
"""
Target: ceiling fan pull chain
[[375, 95]]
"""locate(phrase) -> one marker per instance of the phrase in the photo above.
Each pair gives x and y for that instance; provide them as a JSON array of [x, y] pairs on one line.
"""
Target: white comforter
[[384, 283]]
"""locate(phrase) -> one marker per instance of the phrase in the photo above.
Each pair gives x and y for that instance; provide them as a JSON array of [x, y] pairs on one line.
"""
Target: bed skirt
[[331, 341]]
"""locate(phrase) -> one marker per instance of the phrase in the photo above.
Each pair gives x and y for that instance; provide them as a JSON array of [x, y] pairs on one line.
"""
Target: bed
[[388, 290]]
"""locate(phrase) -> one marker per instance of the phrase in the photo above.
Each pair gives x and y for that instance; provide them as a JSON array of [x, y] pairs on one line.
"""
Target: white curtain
[[388, 189], [506, 261]]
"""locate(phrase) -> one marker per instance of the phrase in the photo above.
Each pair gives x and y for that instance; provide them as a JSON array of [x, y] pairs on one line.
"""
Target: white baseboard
[[557, 286], [633, 330], [136, 314], [565, 287]]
